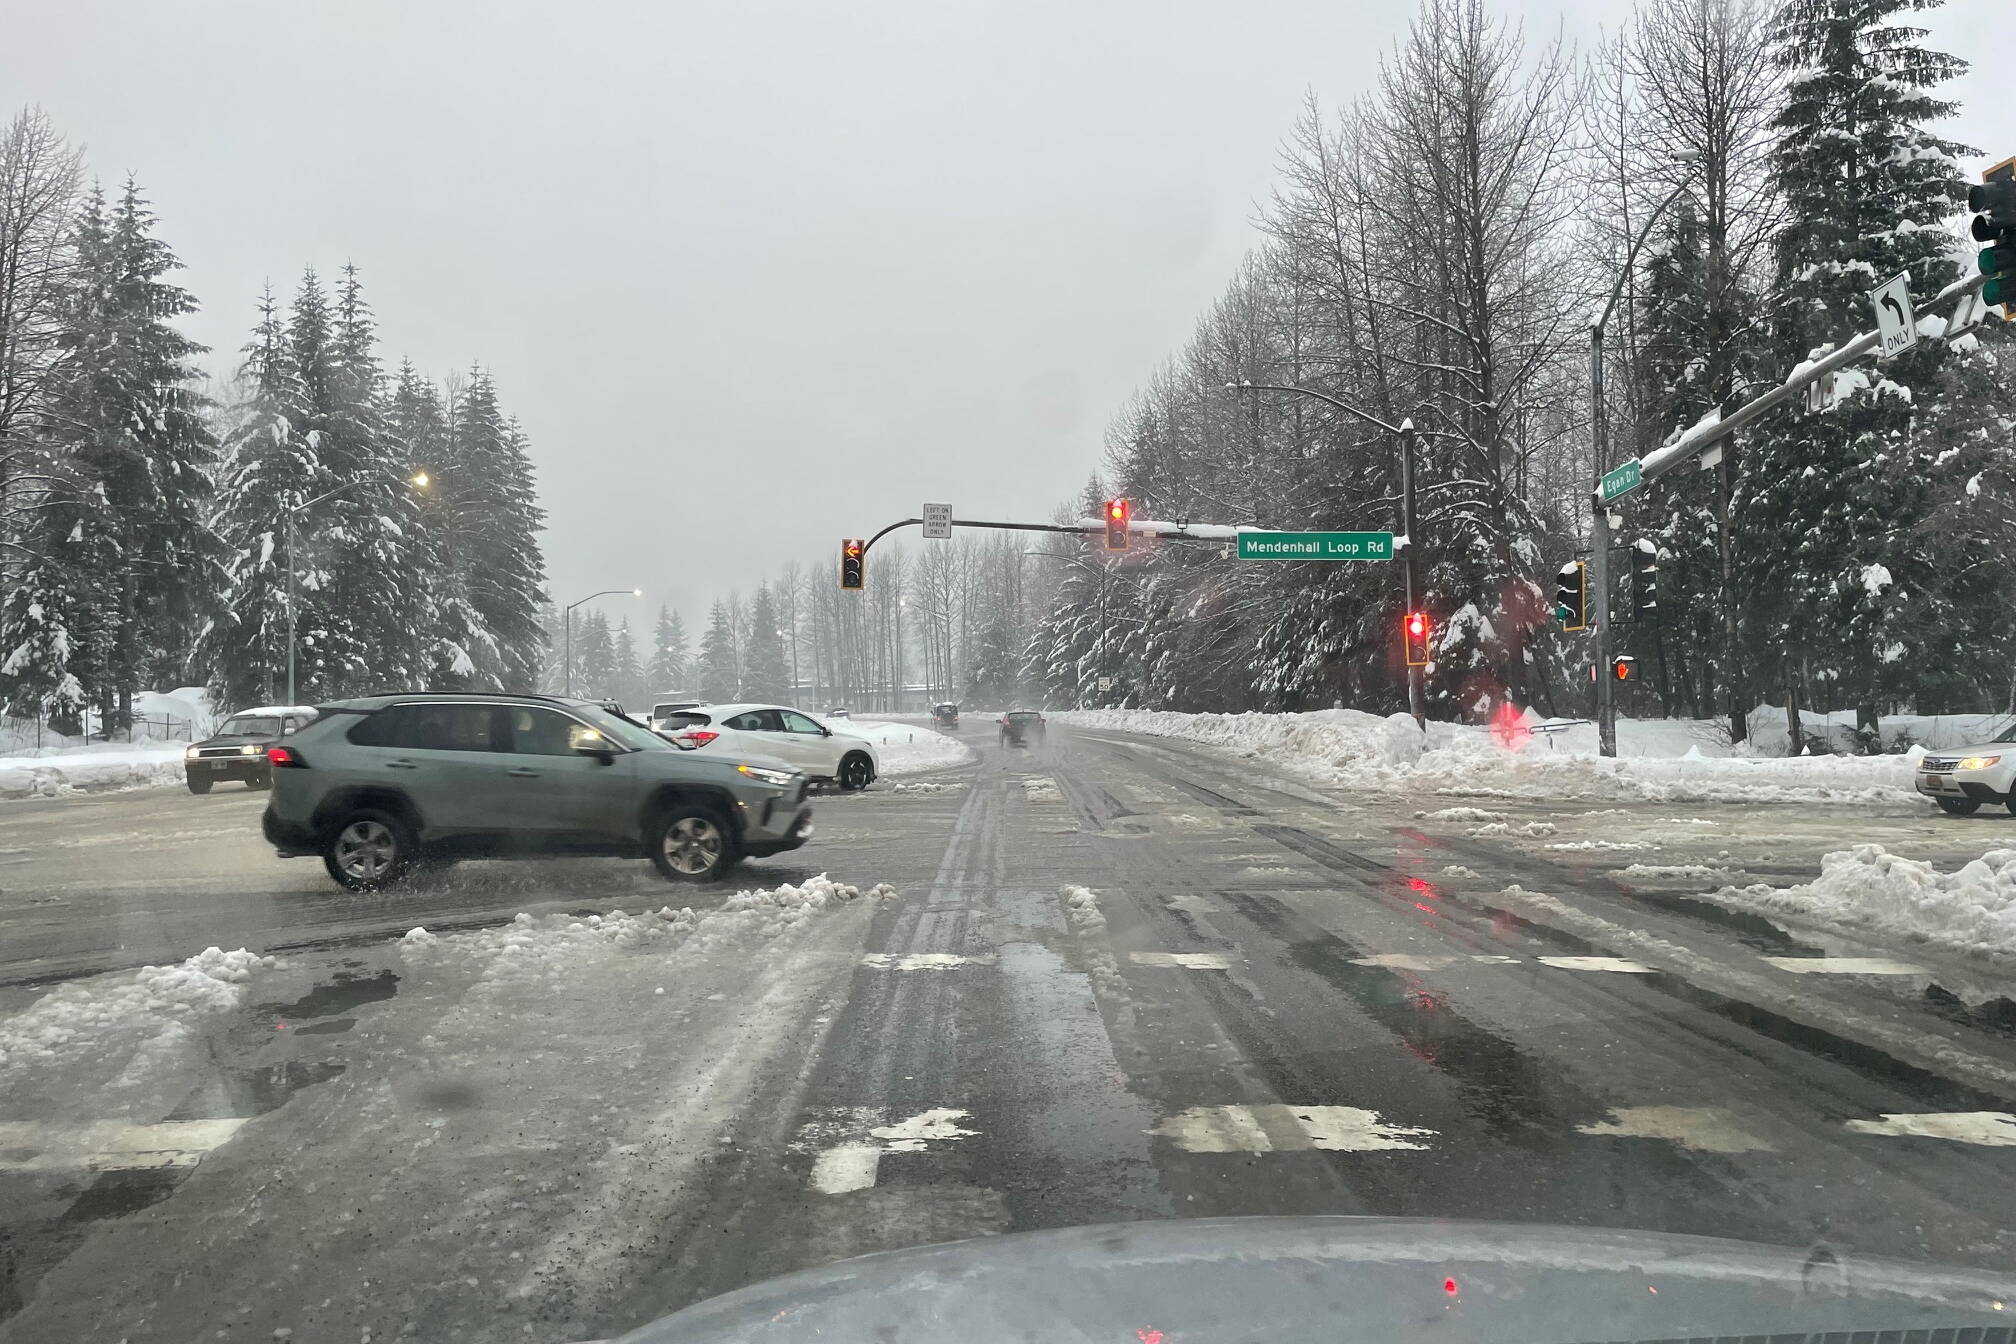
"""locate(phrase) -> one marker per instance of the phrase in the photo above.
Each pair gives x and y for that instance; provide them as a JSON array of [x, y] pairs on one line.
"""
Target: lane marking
[[1621, 965], [1196, 961], [1404, 961], [111, 1146], [1191, 904], [1277, 1128], [922, 961], [1845, 966], [1705, 1129], [854, 1161], [845, 1167], [1989, 1129]]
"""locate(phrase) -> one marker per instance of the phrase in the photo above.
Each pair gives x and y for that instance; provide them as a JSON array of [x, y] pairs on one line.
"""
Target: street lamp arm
[[1631, 255], [606, 592], [1344, 406]]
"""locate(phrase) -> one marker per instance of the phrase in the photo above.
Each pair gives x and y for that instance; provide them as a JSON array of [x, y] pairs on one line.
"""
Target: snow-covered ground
[[906, 748], [102, 765], [1971, 909], [1659, 760]]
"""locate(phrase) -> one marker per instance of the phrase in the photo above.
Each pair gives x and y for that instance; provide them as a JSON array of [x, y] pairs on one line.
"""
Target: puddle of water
[[342, 993]]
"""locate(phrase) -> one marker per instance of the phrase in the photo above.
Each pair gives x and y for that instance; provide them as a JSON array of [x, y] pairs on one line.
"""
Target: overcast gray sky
[[755, 275]]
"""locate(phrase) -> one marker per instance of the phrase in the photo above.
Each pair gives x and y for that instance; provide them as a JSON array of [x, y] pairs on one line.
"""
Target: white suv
[[1960, 781], [790, 735]]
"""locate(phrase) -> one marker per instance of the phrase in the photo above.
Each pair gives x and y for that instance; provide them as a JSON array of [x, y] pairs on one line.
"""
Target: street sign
[[1105, 683], [1622, 480], [1315, 545], [937, 522], [1892, 302]]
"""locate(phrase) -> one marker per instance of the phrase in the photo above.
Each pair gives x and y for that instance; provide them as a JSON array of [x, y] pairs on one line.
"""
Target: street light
[[567, 623], [1417, 700], [1599, 526], [419, 480]]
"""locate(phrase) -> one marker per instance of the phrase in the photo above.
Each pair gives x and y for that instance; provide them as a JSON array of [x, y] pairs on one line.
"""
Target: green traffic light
[[1991, 293]]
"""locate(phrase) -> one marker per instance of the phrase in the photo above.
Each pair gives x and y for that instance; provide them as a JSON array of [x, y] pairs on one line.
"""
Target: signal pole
[[1417, 695]]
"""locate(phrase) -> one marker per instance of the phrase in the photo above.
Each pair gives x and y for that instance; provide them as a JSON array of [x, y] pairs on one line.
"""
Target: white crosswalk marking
[[1989, 1129], [109, 1145], [855, 1162], [1845, 966], [1196, 961], [1276, 1128], [1707, 1129], [1621, 965], [922, 961]]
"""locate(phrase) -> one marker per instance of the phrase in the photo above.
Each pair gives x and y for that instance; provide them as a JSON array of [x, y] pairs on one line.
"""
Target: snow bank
[[1667, 761], [88, 769], [110, 1037], [1972, 909], [906, 748]]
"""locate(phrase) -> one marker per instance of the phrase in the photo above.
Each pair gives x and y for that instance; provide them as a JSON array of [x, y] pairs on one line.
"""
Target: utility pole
[[1417, 693]]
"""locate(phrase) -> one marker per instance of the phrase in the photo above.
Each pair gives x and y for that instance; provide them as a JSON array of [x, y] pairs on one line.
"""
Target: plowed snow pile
[[1352, 749], [1972, 909], [905, 748]]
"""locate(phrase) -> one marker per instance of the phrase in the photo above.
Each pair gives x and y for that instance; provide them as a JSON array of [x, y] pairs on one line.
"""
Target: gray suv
[[381, 786]]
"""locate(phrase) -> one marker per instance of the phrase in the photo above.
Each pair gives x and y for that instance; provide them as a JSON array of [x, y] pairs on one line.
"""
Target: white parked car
[[790, 735], [1960, 781]]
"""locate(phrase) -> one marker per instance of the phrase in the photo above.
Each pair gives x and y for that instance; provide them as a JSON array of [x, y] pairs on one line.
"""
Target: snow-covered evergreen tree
[[766, 676], [717, 668], [627, 677], [594, 656], [666, 672], [1833, 506]]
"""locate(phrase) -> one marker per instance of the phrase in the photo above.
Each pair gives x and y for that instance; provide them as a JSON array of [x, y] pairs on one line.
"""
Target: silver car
[[380, 786]]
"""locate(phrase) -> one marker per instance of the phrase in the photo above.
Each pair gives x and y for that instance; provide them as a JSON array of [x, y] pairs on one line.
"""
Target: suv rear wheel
[[370, 849], [691, 843]]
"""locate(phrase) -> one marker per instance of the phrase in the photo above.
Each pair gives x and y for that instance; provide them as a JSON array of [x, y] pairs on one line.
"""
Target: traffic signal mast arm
[[1149, 527], [1714, 427]]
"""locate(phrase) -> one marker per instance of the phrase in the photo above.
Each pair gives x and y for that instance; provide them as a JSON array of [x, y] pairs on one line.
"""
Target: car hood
[[1980, 749], [1377, 1280], [238, 740]]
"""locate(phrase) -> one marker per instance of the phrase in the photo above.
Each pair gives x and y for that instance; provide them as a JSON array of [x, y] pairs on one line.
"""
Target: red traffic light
[[1624, 667], [1118, 511], [1415, 627]]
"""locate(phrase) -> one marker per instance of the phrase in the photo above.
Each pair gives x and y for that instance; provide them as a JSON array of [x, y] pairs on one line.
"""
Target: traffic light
[[1416, 628], [853, 564], [1993, 202], [1571, 596], [1645, 581], [1624, 667], [1118, 511]]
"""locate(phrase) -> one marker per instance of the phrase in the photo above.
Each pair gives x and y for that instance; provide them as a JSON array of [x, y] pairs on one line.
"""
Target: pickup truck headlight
[[1978, 762], [191, 754], [774, 778]]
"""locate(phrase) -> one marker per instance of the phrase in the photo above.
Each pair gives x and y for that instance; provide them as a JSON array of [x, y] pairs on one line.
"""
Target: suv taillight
[[285, 756], [699, 737]]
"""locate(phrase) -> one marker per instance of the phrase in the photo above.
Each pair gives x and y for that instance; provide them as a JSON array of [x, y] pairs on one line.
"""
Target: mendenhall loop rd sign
[[1315, 545]]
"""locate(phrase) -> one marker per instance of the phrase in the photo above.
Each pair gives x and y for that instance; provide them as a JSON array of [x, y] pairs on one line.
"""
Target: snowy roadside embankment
[[107, 1042], [1867, 888], [1350, 749], [905, 748], [89, 769]]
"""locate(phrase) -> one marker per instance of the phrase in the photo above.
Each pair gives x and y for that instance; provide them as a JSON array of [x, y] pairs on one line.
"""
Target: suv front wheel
[[370, 849], [691, 843]]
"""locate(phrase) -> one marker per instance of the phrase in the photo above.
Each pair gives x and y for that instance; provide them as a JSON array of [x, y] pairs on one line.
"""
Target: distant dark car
[[237, 750], [945, 716], [1021, 728], [840, 712]]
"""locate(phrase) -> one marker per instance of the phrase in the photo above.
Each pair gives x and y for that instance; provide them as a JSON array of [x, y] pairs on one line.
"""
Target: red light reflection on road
[[1149, 1336]]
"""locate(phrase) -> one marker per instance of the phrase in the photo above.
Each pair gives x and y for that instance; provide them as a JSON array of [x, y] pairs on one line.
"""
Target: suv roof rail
[[464, 695]]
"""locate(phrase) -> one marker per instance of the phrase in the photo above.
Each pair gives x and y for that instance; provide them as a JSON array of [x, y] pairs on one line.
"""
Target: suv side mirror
[[591, 743]]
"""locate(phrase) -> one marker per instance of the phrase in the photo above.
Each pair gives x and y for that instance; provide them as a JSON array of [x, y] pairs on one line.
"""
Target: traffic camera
[[853, 564], [1416, 629], [1118, 512]]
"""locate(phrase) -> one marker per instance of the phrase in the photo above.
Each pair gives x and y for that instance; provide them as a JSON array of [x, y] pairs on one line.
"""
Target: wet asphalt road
[[1268, 999]]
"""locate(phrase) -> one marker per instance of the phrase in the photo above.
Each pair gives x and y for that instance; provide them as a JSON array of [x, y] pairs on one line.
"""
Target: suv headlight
[[1978, 762], [191, 754], [251, 751], [775, 778]]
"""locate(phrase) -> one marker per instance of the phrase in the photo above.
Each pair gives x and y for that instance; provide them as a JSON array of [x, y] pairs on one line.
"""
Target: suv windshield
[[2008, 734], [250, 725]]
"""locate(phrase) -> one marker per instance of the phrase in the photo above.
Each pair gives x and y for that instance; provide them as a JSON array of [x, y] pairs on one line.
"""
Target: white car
[[1960, 781], [790, 735]]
